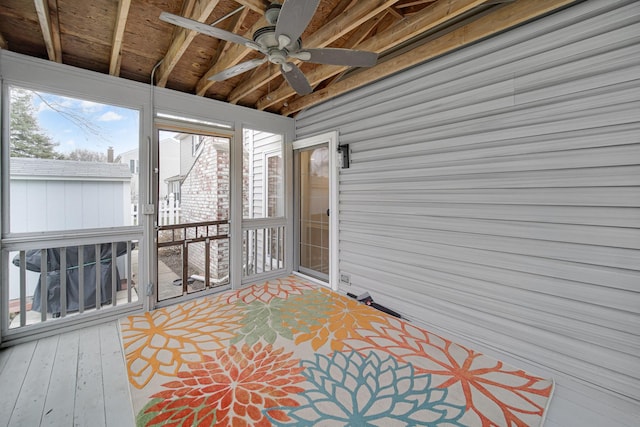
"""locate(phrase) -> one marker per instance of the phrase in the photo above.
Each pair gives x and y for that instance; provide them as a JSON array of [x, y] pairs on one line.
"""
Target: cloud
[[41, 106], [53, 103], [90, 106], [110, 116]]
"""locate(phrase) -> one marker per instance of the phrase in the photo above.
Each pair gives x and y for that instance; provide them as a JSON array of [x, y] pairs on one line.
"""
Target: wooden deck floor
[[74, 379]]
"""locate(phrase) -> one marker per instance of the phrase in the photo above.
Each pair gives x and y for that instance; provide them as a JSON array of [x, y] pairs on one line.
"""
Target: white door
[[192, 222], [316, 207]]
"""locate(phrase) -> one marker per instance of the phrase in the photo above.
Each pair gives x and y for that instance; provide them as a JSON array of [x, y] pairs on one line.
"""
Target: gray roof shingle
[[27, 167]]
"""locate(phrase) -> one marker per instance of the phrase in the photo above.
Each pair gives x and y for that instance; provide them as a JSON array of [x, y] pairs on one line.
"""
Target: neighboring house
[[131, 160], [169, 150], [190, 146]]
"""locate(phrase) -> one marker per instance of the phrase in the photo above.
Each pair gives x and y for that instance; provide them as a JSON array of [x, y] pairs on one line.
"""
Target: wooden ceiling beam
[[392, 10], [502, 19], [118, 34], [182, 39], [359, 36], [233, 25], [50, 29], [257, 6], [231, 57], [336, 28], [428, 18], [187, 7], [339, 9], [414, 3]]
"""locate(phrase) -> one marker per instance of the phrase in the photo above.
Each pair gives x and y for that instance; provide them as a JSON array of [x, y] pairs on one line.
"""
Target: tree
[[85, 155], [27, 139]]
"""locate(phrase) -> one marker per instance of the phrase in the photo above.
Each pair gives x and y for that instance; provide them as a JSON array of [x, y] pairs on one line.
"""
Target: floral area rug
[[289, 353]]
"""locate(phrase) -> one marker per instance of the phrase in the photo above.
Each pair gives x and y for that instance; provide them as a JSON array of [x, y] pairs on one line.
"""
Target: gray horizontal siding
[[262, 142], [494, 193]]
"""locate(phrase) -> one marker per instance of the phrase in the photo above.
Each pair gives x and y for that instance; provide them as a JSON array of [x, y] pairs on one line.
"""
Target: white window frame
[[265, 181]]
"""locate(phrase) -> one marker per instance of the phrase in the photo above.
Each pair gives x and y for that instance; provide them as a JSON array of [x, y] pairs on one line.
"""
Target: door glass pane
[[314, 210]]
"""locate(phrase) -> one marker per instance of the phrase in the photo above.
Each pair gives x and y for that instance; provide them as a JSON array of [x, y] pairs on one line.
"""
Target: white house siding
[[262, 144], [494, 193], [53, 195]]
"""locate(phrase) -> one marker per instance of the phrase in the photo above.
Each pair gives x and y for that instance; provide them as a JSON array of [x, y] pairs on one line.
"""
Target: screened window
[[73, 163]]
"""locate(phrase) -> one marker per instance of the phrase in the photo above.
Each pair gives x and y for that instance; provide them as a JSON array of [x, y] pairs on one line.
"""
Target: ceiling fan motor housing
[[272, 13], [266, 38]]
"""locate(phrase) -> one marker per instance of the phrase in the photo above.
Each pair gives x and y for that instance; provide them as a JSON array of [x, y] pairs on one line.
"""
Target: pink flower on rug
[[232, 389], [507, 396], [265, 292]]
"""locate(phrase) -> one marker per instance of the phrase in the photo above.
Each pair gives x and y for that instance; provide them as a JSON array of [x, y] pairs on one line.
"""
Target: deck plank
[[30, 403], [60, 400], [117, 398], [14, 373], [89, 409], [4, 357]]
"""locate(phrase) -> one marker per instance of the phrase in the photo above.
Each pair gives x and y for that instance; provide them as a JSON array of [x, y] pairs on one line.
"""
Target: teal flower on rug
[[280, 317], [348, 389]]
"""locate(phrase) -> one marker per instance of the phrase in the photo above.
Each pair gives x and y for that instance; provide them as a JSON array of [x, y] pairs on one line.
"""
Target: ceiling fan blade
[[295, 78], [237, 69], [200, 27], [333, 56], [294, 17]]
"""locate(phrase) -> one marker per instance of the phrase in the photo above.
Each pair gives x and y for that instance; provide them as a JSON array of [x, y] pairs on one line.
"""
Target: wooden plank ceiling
[[126, 38]]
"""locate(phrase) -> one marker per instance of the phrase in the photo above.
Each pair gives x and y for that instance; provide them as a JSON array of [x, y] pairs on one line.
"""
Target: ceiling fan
[[280, 42]]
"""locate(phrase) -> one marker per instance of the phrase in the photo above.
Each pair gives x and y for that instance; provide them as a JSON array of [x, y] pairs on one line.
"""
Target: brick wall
[[205, 197]]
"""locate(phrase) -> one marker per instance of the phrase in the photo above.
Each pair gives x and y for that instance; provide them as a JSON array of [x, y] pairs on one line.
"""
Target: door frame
[[331, 139], [171, 125]]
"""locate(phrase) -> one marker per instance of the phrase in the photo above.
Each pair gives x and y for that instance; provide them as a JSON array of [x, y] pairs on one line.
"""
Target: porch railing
[[263, 249], [60, 279], [203, 250]]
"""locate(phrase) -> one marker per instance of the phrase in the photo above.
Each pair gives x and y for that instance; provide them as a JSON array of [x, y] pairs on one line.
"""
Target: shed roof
[[28, 168]]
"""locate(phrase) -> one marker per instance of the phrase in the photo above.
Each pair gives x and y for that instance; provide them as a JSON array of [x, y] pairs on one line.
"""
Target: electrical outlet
[[345, 279]]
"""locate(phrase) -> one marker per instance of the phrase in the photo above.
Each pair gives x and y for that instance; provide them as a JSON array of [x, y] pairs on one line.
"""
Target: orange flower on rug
[[344, 316], [265, 292], [231, 389]]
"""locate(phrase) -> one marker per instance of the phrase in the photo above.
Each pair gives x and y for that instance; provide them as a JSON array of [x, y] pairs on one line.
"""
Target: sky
[[86, 124]]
